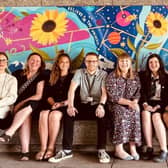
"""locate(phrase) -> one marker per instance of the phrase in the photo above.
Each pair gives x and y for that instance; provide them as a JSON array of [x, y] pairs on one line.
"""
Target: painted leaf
[[139, 29], [117, 51], [41, 52], [130, 45], [76, 63], [153, 46], [56, 50], [25, 13]]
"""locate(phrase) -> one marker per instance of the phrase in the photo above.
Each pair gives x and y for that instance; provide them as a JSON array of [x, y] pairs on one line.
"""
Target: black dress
[[30, 90], [59, 92]]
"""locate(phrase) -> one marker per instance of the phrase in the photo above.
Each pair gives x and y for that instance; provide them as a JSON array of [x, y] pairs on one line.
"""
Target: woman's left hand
[[134, 105]]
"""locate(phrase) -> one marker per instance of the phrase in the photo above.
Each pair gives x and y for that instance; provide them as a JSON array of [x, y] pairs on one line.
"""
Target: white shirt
[[157, 95], [8, 93]]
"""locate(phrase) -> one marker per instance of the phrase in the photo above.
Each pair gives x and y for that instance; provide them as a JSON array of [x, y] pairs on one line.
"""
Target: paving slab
[[137, 164], [80, 160]]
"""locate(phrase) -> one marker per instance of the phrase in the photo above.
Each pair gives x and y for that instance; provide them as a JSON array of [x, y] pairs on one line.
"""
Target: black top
[[146, 90], [59, 91], [31, 89]]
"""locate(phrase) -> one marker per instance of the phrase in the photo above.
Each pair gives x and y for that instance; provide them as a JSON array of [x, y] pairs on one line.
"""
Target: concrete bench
[[85, 139]]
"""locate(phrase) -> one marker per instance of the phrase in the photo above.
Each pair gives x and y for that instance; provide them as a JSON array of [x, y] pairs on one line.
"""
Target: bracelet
[[102, 104]]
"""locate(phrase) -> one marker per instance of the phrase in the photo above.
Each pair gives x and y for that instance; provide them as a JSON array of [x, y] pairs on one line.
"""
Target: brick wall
[[80, 2]]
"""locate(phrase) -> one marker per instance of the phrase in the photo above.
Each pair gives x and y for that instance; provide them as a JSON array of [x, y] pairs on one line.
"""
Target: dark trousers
[[6, 122], [85, 112]]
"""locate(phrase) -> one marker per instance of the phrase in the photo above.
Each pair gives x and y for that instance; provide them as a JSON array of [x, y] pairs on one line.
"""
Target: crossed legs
[[49, 125]]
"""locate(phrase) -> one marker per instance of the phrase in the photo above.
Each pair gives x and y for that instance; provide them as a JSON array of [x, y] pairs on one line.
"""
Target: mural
[[107, 30]]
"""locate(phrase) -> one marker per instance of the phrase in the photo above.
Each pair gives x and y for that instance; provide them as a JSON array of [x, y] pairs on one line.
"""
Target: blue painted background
[[107, 30]]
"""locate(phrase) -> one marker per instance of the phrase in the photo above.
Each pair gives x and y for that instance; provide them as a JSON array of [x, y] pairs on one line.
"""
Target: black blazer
[[146, 88]]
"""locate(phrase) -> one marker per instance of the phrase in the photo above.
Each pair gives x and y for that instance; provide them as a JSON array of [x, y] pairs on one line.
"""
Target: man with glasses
[[91, 81]]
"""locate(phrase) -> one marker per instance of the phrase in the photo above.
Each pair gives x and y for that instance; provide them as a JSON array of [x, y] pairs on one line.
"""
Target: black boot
[[161, 157], [148, 155]]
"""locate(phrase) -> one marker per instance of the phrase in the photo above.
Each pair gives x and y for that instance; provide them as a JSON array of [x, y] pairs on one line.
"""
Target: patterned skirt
[[126, 125]]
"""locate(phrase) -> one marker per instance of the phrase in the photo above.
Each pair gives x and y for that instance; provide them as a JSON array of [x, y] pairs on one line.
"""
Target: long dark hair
[[55, 72], [4, 54], [161, 70]]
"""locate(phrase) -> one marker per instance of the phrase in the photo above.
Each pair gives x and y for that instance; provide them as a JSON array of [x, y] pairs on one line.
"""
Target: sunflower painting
[[157, 24], [48, 27], [106, 30]]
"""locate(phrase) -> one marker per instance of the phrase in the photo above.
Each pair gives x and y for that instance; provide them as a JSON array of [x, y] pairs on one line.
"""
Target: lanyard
[[90, 85]]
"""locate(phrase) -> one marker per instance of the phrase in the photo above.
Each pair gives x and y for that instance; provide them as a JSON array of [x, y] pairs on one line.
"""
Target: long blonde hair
[[118, 73], [55, 72]]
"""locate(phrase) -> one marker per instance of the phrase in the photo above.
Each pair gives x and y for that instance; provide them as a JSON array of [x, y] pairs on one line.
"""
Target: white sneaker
[[61, 155], [103, 157]]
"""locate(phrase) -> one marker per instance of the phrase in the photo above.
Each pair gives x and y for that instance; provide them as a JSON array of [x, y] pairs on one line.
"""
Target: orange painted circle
[[114, 37]]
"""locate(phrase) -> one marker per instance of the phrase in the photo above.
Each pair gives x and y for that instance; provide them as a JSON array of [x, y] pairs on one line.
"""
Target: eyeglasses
[[3, 60], [91, 61]]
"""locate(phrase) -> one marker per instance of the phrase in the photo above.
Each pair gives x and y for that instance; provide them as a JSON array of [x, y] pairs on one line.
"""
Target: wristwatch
[[102, 104]]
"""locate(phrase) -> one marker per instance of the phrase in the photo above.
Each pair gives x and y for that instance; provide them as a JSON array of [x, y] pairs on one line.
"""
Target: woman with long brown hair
[[123, 90], [55, 106], [30, 90]]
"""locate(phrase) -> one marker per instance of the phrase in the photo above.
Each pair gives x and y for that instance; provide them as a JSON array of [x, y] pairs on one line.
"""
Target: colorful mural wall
[[107, 30]]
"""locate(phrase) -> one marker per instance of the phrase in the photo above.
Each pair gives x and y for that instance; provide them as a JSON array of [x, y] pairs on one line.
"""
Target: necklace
[[3, 85]]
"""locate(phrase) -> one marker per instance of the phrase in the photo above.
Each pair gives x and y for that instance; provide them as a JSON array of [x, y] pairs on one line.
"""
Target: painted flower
[[8, 41], [48, 27], [156, 24]]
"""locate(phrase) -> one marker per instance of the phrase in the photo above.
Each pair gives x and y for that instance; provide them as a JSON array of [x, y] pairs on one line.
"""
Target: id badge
[[89, 99]]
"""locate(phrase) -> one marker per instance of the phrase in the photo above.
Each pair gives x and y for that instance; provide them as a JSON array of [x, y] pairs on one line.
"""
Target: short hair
[[92, 53]]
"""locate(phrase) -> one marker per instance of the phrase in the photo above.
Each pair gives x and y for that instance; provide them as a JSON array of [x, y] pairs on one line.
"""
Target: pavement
[[80, 160]]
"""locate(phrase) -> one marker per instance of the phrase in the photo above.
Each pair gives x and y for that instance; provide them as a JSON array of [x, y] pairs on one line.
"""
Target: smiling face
[[91, 62], [64, 63], [124, 64], [154, 65], [34, 63], [3, 62]]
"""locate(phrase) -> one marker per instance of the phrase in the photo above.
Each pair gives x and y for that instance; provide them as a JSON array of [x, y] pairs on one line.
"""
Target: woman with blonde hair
[[123, 90], [30, 90], [55, 105]]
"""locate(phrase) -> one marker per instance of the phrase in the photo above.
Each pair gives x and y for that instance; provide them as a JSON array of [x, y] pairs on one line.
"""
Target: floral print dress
[[125, 121]]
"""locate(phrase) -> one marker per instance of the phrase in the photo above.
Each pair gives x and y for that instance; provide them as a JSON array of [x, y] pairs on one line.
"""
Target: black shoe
[[148, 155], [161, 158]]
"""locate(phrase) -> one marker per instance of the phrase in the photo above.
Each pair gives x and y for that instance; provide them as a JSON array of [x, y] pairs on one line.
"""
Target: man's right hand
[[72, 111]]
